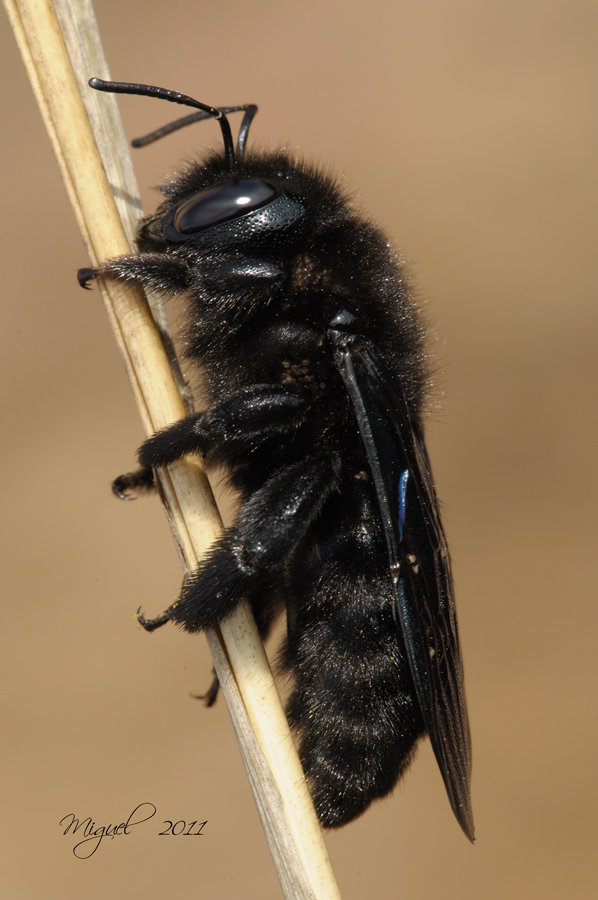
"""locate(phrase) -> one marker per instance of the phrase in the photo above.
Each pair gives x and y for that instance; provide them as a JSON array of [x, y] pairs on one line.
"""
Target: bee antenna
[[249, 109], [148, 90]]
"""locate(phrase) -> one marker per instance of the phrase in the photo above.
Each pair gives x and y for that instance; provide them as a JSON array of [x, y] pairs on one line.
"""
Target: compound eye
[[226, 201]]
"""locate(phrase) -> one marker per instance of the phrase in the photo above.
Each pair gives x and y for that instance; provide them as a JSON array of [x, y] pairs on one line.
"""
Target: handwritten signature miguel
[[93, 836]]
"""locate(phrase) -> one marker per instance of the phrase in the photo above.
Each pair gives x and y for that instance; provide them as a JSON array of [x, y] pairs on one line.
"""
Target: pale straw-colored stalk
[[61, 49]]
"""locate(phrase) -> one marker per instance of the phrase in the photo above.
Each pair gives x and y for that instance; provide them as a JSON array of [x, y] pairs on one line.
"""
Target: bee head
[[231, 212]]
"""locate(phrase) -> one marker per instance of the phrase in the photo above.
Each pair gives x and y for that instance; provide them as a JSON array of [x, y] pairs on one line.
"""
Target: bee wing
[[418, 558]]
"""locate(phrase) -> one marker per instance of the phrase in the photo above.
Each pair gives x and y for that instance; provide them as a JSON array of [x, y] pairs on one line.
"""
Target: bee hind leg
[[250, 556], [152, 624], [211, 695]]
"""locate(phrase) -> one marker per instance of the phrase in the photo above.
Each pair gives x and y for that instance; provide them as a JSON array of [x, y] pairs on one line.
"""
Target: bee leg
[[141, 480], [151, 270], [211, 694], [240, 560], [264, 610], [228, 429], [84, 276], [152, 624], [249, 555], [161, 449], [188, 435]]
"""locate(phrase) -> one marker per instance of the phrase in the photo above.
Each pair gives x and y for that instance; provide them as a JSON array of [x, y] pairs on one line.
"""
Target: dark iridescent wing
[[418, 559]]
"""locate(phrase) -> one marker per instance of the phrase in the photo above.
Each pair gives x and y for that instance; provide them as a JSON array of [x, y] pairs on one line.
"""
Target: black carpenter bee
[[313, 355]]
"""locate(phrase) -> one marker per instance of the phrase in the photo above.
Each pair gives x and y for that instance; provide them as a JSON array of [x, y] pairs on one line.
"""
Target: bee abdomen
[[353, 708]]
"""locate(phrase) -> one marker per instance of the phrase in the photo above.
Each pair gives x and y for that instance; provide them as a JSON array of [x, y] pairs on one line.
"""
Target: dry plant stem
[[287, 812]]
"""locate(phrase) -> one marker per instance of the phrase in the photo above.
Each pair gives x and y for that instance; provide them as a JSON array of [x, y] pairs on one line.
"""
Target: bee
[[314, 359]]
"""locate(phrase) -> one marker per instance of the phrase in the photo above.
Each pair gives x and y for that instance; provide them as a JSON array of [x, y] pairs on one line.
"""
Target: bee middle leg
[[126, 486]]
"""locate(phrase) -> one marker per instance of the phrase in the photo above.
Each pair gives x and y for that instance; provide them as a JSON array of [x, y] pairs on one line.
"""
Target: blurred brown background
[[469, 130]]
